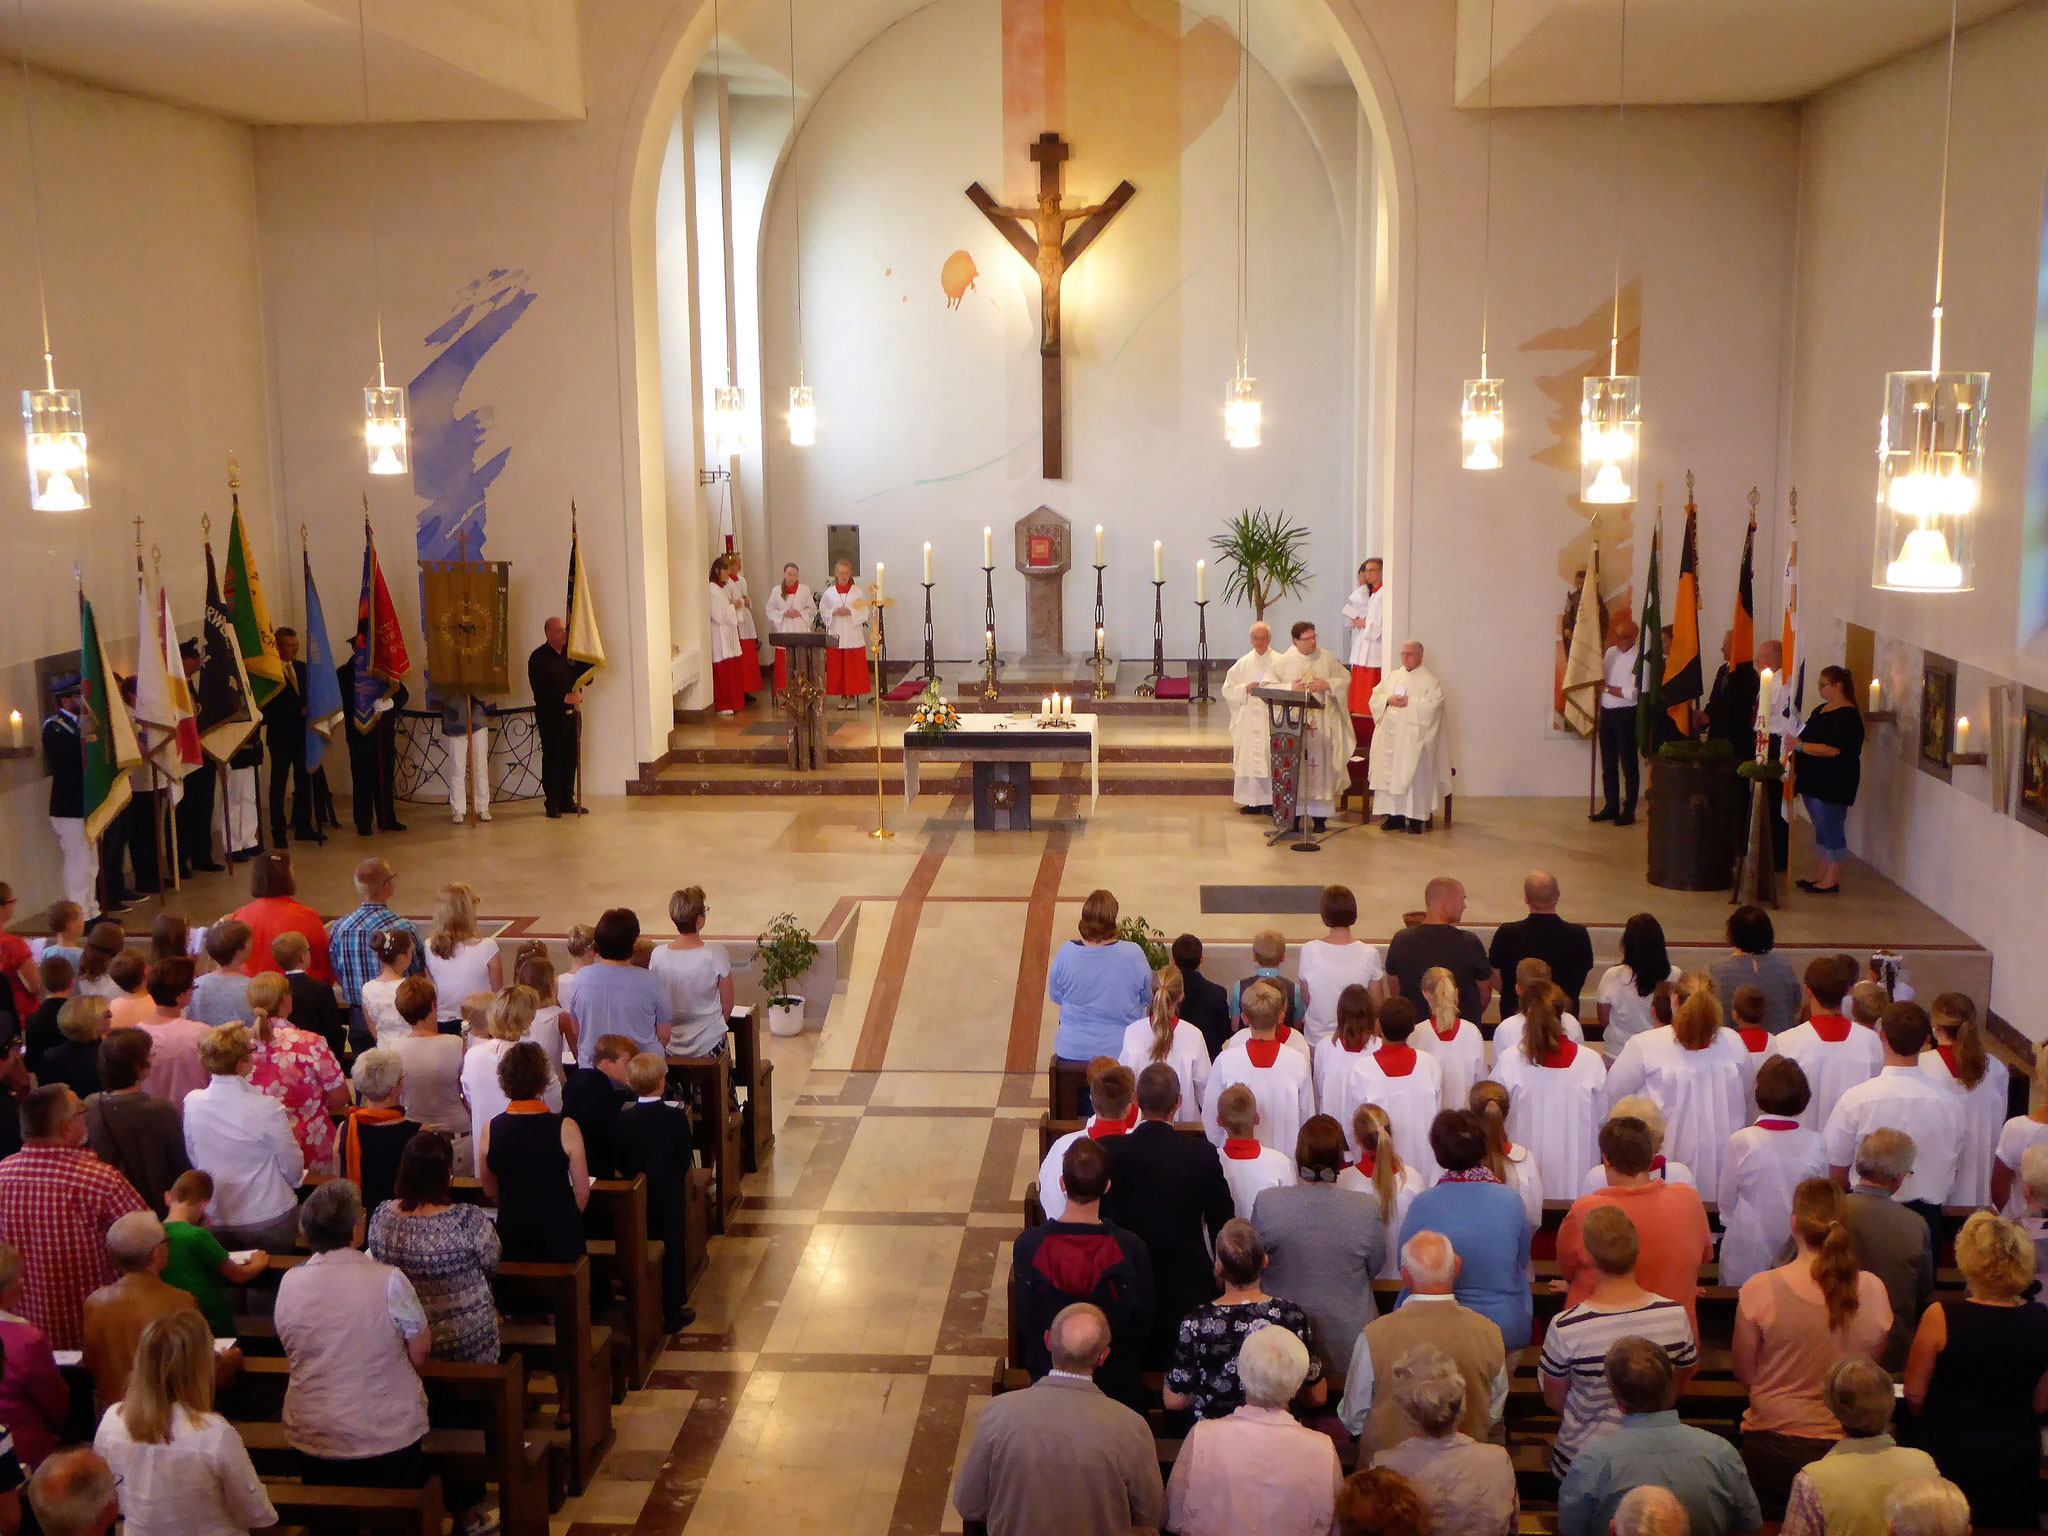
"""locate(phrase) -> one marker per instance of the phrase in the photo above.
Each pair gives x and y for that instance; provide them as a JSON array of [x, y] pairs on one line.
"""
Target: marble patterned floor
[[849, 1320]]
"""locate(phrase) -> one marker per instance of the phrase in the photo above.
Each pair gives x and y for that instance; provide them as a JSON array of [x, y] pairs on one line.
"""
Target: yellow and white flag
[[580, 618], [1585, 665]]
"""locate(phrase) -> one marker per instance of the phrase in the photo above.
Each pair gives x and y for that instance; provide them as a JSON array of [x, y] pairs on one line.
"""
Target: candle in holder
[[1962, 733], [1067, 706], [988, 548], [1766, 685], [991, 645], [1098, 543], [927, 562], [1157, 573], [1045, 707], [14, 728], [1201, 581], [878, 582], [1098, 642], [1875, 695]]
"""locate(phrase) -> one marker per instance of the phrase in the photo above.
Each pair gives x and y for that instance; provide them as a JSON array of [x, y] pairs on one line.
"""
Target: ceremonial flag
[[251, 617], [1742, 632], [108, 733], [1650, 647], [380, 659], [1585, 670], [1792, 681], [225, 715], [323, 688], [1682, 683], [578, 616], [156, 712], [182, 754]]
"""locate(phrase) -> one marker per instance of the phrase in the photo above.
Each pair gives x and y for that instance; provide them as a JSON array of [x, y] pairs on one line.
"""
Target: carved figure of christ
[[1039, 235]]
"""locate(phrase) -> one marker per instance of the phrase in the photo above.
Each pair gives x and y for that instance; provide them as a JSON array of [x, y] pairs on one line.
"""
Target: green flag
[[250, 616], [1650, 649], [106, 731]]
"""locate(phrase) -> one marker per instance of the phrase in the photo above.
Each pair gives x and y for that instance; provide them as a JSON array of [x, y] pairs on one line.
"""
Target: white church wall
[[149, 231], [1870, 183]]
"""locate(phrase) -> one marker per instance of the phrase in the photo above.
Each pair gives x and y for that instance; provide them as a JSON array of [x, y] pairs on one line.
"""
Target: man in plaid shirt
[[348, 944], [56, 1202]]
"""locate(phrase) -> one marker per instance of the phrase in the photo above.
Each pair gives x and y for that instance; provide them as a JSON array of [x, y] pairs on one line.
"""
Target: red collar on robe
[[1395, 1060], [1100, 1129], [1566, 1052], [836, 587], [1447, 1039], [1242, 1148], [790, 591], [1353, 1050], [1831, 1027], [1365, 1163], [1948, 1059], [1757, 1039], [1262, 1053], [1776, 1123]]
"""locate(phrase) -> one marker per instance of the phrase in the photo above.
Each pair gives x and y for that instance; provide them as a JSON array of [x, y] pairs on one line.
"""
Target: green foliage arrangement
[[1265, 556], [1696, 752], [1755, 770], [784, 952], [1158, 948]]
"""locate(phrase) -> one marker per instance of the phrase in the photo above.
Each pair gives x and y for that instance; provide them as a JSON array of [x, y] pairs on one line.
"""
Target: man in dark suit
[[557, 696], [372, 754], [64, 761], [654, 1139], [284, 735], [1168, 1190], [1205, 1004], [1731, 703], [593, 1096], [1565, 947]]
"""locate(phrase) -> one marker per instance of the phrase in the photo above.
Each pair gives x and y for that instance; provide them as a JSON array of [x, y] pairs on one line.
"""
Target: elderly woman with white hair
[[1927, 1506], [1256, 1472], [1844, 1492], [1647, 1510], [1467, 1485]]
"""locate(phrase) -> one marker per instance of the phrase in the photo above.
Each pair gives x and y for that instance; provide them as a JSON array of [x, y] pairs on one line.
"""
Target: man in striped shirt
[[1574, 1360]]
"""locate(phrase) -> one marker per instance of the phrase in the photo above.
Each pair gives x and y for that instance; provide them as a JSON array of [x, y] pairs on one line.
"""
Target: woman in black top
[[1826, 776], [531, 1162]]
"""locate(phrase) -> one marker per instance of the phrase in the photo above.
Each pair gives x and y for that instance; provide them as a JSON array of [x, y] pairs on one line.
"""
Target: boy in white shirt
[[1900, 1098], [1278, 1078], [1113, 1090], [1248, 1168]]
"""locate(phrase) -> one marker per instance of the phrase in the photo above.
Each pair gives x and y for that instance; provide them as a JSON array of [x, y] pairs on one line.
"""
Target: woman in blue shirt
[[1101, 984], [1485, 1222]]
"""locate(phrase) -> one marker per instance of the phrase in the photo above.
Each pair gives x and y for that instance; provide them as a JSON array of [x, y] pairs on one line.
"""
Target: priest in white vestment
[[1251, 759], [1365, 615], [1411, 766], [1326, 753], [791, 607]]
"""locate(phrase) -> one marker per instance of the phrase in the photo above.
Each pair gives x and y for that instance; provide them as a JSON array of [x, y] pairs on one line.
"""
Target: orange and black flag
[[1682, 682], [1742, 631]]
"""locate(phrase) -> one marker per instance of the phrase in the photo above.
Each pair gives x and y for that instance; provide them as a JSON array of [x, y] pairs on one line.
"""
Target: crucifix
[[1040, 236]]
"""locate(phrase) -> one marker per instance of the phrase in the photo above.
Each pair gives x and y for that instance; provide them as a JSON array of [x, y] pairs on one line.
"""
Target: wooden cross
[[1040, 236]]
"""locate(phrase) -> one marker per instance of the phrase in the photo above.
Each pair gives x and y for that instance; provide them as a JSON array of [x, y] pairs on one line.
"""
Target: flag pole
[[1600, 694], [156, 817], [575, 545], [223, 781], [167, 827], [263, 833]]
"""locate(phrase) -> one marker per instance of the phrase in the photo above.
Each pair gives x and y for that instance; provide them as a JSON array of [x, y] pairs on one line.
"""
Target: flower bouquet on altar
[[932, 715]]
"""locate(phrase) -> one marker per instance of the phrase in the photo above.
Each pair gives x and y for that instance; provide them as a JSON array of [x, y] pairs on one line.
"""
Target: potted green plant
[[1266, 557], [1158, 950], [784, 951]]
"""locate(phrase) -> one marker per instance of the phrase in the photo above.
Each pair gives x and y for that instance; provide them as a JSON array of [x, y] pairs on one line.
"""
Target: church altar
[[1002, 749]]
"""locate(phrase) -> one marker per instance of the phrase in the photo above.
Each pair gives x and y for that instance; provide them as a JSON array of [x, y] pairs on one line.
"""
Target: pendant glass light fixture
[[803, 410], [1930, 446], [728, 409], [53, 418], [1242, 417], [386, 430], [1483, 420], [1610, 407]]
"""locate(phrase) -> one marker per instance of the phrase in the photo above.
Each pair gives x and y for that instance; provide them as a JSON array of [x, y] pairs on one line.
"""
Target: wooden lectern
[[1287, 726], [803, 700]]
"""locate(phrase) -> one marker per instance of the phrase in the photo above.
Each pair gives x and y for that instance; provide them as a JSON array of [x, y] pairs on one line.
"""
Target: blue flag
[[323, 688]]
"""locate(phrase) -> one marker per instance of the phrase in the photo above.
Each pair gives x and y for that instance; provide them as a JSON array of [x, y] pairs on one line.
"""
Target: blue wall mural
[[447, 444]]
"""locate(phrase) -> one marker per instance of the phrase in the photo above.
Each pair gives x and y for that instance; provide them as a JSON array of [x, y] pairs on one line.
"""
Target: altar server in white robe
[[1958, 1063], [1365, 617], [1834, 1053], [1698, 1073], [844, 608], [1411, 765], [1163, 1035], [1356, 1034], [1554, 1095], [728, 686], [1251, 761], [750, 634], [1408, 1084], [1507, 1034], [1456, 1043], [1327, 751], [1760, 1167], [1277, 1077], [791, 608]]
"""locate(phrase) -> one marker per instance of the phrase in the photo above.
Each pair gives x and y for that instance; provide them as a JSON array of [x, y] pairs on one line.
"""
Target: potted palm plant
[[784, 951], [1265, 555]]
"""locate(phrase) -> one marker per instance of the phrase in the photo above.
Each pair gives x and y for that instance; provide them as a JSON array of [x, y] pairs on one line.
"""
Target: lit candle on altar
[[1067, 706], [878, 582], [988, 548], [927, 562], [991, 645], [1201, 581], [1962, 733], [14, 728], [1874, 696], [1045, 707], [1157, 573], [1098, 543], [1766, 684], [1098, 642]]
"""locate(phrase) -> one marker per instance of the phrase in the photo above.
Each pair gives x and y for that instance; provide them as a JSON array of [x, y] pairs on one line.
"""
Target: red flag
[[380, 658]]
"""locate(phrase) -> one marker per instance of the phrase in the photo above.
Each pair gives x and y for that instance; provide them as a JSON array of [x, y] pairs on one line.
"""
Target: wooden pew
[[387, 1511], [1064, 1085], [754, 1072], [568, 1346], [720, 1133], [622, 1252]]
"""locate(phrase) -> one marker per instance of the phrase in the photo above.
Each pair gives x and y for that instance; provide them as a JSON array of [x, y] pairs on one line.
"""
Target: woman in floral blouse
[[296, 1068], [1204, 1371]]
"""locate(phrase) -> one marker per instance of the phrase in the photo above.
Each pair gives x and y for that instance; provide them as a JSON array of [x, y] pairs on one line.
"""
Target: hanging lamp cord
[[35, 194], [376, 260], [1948, 114], [796, 200], [1244, 155], [1620, 115], [1486, 241]]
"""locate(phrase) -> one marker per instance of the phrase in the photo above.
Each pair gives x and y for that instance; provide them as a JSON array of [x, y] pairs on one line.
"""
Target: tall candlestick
[[1962, 733], [1875, 696], [988, 546], [927, 560], [1098, 543], [1201, 581], [1157, 574]]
